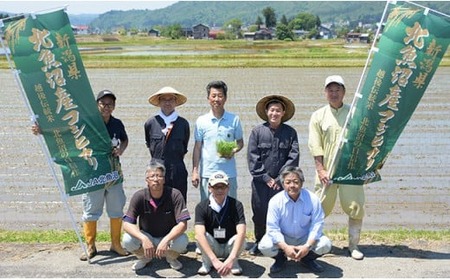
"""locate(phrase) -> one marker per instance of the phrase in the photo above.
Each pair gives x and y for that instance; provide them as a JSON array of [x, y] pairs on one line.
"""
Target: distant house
[[358, 38], [214, 32], [364, 38], [200, 31], [325, 33], [80, 29], [153, 33], [187, 32], [250, 36], [263, 34], [352, 37]]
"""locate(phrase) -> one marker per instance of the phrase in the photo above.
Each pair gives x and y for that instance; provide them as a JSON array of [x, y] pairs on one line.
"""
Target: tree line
[[233, 28]]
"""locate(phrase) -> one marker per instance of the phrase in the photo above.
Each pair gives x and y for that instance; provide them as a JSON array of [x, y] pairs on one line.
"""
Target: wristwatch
[[309, 247]]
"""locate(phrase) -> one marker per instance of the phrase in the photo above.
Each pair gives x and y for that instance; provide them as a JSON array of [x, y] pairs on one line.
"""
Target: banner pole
[[426, 8], [356, 97], [50, 162]]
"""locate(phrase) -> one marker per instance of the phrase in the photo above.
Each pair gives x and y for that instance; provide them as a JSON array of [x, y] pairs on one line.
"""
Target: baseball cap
[[104, 93], [334, 79], [217, 178]]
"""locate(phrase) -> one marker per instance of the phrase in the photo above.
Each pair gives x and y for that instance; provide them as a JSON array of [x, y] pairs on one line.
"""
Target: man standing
[[325, 128], [113, 196], [272, 145], [162, 216], [294, 224], [167, 137], [220, 228], [217, 125]]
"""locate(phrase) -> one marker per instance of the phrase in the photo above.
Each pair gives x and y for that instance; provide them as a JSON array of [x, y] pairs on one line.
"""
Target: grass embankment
[[382, 236], [107, 52]]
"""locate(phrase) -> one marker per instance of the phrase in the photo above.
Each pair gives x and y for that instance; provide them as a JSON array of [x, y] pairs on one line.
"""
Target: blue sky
[[80, 6]]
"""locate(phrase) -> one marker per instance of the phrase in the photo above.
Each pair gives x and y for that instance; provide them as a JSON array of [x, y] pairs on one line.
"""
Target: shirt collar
[[211, 115], [287, 198], [216, 206], [338, 110]]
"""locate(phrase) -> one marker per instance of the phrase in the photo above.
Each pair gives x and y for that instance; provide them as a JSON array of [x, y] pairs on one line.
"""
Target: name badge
[[219, 233]]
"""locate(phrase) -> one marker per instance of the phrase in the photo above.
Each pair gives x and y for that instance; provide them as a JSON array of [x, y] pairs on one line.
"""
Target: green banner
[[412, 44], [53, 77]]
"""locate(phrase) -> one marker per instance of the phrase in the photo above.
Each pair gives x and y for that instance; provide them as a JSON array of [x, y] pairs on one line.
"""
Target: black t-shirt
[[116, 129], [229, 217], [157, 217]]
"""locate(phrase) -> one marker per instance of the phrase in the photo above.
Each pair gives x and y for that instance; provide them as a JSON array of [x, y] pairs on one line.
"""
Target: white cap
[[218, 177], [334, 79]]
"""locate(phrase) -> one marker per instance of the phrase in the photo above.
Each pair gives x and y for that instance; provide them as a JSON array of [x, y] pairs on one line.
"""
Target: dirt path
[[413, 260]]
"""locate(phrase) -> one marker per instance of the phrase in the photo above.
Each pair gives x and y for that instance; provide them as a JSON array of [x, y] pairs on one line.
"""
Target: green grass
[[251, 54], [254, 54], [381, 236]]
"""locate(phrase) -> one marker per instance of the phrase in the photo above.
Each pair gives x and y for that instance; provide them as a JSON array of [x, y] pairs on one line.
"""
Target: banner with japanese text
[[412, 44], [53, 77]]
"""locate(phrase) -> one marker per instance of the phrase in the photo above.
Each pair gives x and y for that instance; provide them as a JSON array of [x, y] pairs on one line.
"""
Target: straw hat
[[180, 98], [288, 106]]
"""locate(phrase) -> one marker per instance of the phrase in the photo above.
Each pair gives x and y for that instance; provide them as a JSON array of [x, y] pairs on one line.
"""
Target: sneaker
[[175, 264], [278, 265], [312, 265], [254, 251], [236, 269], [198, 251], [203, 270], [140, 264], [355, 253], [185, 251]]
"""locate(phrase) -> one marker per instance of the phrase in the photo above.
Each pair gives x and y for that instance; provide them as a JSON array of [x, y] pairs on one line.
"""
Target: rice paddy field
[[413, 193]]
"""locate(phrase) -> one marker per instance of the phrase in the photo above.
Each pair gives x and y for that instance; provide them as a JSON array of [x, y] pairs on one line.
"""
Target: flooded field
[[413, 193]]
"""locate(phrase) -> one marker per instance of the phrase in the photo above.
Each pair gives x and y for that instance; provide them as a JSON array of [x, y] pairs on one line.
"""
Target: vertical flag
[[413, 43], [53, 77]]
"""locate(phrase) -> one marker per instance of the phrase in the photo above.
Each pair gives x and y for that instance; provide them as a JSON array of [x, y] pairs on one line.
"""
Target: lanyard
[[223, 214]]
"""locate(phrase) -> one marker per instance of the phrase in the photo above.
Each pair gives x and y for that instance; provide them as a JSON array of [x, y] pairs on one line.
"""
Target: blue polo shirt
[[209, 130]]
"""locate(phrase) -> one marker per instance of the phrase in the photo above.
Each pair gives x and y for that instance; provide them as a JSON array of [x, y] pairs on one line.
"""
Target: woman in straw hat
[[167, 137], [272, 146]]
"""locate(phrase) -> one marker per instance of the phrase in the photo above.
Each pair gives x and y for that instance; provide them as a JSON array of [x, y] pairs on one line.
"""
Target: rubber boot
[[116, 230], [142, 260], [354, 233], [90, 232], [172, 259]]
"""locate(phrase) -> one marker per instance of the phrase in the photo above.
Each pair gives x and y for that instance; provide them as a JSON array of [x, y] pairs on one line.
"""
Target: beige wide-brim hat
[[180, 98], [289, 107]]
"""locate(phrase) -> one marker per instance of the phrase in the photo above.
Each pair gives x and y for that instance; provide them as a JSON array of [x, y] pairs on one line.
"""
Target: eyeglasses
[[154, 176], [106, 105]]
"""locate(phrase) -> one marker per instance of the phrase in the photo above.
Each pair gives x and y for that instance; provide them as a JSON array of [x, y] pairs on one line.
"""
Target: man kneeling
[[220, 228], [162, 216], [294, 225]]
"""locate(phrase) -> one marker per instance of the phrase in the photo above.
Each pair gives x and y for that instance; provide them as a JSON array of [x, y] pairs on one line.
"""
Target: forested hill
[[216, 13]]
